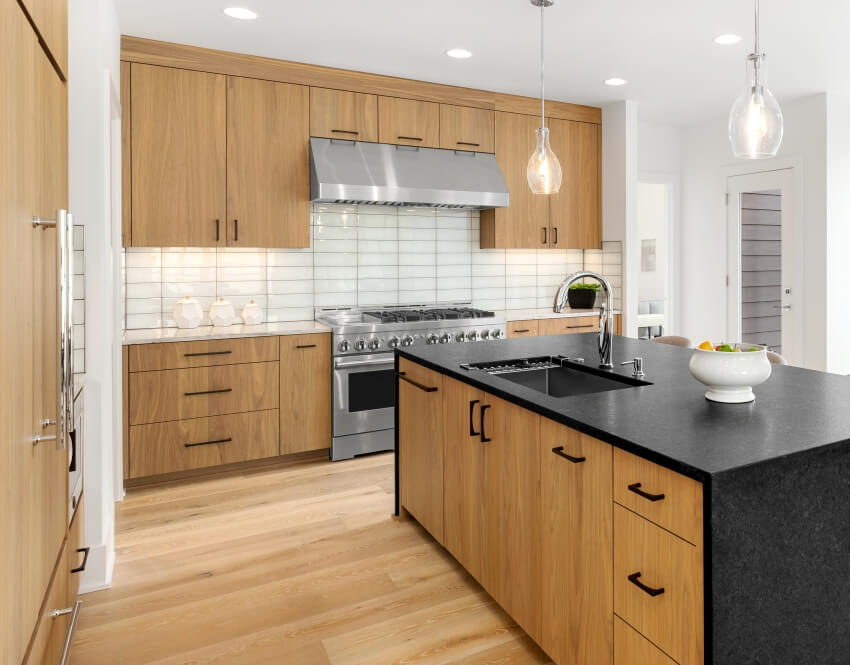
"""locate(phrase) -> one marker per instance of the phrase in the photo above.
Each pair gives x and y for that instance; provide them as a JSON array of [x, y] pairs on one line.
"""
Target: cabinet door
[[305, 392], [525, 222], [408, 122], [268, 164], [467, 128], [420, 445], [577, 554], [576, 210], [126, 157], [178, 157], [51, 21], [464, 480], [512, 569], [337, 114]]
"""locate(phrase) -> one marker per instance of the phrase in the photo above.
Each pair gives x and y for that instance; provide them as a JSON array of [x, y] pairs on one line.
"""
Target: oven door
[[364, 393]]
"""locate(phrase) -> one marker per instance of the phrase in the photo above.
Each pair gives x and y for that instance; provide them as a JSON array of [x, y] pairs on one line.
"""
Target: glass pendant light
[[544, 170], [755, 121]]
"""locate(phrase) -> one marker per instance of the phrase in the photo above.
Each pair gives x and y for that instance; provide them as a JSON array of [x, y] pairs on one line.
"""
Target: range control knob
[[473, 336], [374, 344], [407, 340], [485, 334], [431, 339], [461, 336], [344, 345], [445, 338], [497, 334], [360, 344], [393, 342]]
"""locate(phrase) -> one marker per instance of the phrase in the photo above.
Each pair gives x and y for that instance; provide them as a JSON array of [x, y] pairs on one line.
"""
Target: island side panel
[[780, 561]]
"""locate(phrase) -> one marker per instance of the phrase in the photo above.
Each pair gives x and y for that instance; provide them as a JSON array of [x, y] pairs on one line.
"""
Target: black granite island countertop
[[775, 473]]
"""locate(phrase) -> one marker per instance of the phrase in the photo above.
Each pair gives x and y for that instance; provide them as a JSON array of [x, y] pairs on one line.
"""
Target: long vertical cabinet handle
[[68, 305], [217, 230], [74, 611], [483, 410], [472, 404], [235, 230]]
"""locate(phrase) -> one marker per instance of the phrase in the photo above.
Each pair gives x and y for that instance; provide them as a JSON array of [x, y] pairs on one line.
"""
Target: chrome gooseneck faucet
[[606, 315]]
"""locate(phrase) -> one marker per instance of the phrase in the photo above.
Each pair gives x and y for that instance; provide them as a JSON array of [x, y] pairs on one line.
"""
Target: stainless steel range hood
[[380, 174]]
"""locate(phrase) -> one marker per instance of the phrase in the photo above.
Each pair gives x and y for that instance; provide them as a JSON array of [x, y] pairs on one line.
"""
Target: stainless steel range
[[363, 345]]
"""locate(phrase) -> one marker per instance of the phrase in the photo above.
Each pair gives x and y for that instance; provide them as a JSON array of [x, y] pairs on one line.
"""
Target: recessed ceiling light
[[460, 53], [240, 12], [615, 81], [726, 40]]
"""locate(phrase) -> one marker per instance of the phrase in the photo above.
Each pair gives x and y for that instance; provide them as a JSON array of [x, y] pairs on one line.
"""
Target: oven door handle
[[363, 363]]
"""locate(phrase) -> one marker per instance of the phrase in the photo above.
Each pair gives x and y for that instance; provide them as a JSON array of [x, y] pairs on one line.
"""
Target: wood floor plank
[[299, 563]]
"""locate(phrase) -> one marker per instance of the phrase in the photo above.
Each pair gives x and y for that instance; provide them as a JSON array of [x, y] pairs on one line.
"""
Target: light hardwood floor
[[297, 564]]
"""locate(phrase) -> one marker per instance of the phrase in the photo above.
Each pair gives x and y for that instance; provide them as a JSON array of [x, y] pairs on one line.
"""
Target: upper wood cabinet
[[337, 114], [576, 210], [126, 159], [467, 128], [268, 164], [408, 122], [525, 222], [50, 19], [178, 148]]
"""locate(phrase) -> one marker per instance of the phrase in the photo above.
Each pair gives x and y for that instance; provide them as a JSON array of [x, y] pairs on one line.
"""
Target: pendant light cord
[[542, 96], [758, 52]]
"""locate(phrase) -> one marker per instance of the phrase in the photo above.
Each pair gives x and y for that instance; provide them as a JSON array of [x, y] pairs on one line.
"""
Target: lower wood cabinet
[[305, 392], [530, 508], [569, 325], [49, 636], [527, 328]]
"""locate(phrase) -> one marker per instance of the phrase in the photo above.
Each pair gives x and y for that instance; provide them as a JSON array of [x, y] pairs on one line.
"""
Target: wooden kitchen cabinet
[[268, 164], [338, 114], [569, 325], [575, 212], [50, 19], [420, 444], [577, 549], [467, 128], [408, 122], [632, 648], [525, 222], [305, 392], [527, 328], [178, 146]]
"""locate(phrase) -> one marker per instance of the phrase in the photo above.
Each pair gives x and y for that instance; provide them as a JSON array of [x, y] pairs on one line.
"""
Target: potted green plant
[[582, 296]]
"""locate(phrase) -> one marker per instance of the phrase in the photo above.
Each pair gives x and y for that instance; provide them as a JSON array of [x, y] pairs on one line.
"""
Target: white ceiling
[[664, 48]]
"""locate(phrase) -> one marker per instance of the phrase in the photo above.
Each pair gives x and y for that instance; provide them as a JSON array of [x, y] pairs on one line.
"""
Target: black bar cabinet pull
[[208, 443], [555, 232], [590, 325], [483, 410], [421, 386], [472, 431], [635, 487], [476, 145], [305, 346], [217, 224], [236, 230], [344, 131], [559, 451], [81, 568], [633, 578], [410, 138], [545, 236], [522, 330], [207, 353], [209, 392]]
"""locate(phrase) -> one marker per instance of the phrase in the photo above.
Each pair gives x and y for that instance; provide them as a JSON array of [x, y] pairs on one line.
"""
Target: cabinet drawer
[[181, 355], [338, 114], [568, 325], [467, 128], [522, 328], [179, 394], [49, 637], [632, 648], [77, 555], [658, 586], [665, 497], [182, 445]]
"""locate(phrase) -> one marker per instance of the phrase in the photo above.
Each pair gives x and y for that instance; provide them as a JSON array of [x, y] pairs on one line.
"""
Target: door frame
[[785, 175]]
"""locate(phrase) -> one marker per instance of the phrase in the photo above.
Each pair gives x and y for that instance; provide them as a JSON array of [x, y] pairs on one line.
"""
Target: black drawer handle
[[591, 325], [559, 451], [82, 566], [421, 386], [475, 145], [482, 411], [522, 330], [207, 353], [635, 487], [472, 431], [410, 138], [305, 346], [209, 392], [344, 131], [633, 578], [208, 443]]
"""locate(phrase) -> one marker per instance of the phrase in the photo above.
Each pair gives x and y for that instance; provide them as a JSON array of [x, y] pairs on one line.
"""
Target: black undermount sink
[[558, 377]]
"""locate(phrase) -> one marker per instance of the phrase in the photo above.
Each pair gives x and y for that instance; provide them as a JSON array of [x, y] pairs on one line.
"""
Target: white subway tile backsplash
[[361, 255]]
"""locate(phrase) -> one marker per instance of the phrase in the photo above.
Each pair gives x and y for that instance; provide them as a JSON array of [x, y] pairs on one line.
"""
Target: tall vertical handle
[[236, 230], [472, 404], [483, 411], [217, 230], [545, 236]]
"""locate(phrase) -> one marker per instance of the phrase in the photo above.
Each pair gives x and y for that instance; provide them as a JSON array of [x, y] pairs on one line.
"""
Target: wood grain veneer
[[305, 392], [204, 353], [49, 635], [467, 128], [339, 114], [126, 156], [527, 328], [632, 648], [408, 122], [568, 325]]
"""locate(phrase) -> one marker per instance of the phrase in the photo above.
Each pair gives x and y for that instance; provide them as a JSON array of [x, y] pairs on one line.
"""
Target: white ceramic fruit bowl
[[731, 376]]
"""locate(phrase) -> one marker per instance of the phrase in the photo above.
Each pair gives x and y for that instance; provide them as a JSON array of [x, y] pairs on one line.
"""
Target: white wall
[[706, 162], [94, 47]]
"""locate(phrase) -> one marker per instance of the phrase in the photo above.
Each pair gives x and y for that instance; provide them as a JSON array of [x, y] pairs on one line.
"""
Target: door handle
[[785, 307], [421, 386], [545, 235], [472, 404], [560, 452], [363, 363], [483, 411], [235, 230], [635, 487], [82, 567], [555, 235], [634, 579]]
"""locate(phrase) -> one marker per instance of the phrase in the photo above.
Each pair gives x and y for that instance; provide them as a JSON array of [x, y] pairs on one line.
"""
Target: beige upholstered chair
[[673, 340], [775, 358]]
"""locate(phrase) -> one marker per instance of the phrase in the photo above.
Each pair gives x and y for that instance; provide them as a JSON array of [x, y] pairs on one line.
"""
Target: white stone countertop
[[154, 335], [547, 313]]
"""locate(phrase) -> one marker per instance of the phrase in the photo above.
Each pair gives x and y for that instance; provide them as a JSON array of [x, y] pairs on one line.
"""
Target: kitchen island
[[642, 524]]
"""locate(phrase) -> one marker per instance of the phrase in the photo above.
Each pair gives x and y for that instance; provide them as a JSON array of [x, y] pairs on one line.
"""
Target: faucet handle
[[637, 364]]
